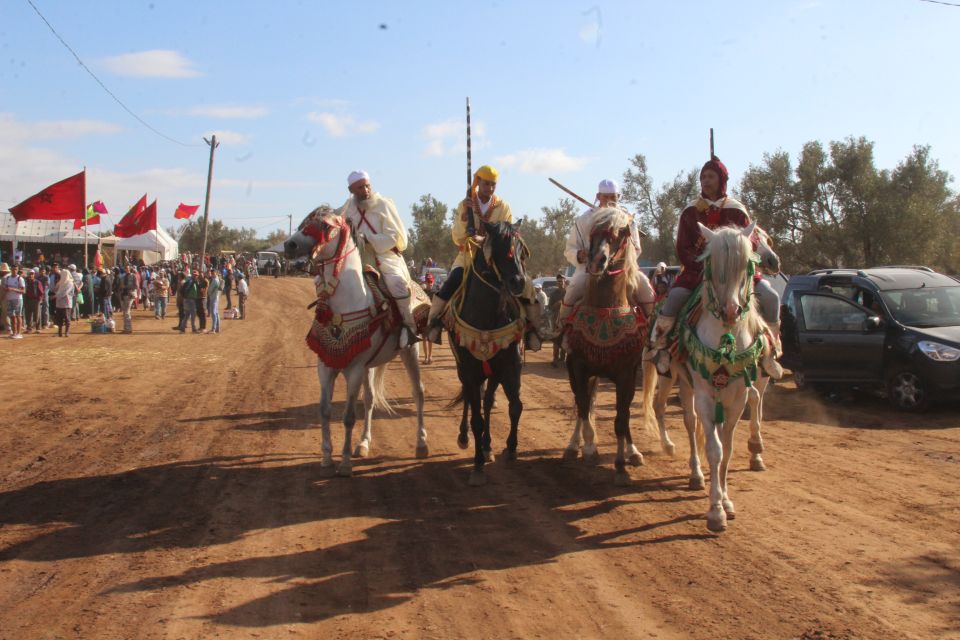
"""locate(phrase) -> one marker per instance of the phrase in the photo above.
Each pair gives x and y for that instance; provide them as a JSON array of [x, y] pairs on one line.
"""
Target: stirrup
[[532, 341], [661, 361], [407, 337], [434, 331]]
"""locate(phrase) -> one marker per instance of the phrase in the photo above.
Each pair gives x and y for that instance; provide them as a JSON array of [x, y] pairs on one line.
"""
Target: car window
[[927, 307], [826, 313]]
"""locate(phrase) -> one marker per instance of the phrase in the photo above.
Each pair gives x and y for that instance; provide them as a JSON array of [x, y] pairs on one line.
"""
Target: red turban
[[715, 165]]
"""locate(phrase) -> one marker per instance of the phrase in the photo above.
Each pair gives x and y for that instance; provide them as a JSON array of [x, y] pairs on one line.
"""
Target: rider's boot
[[771, 352], [408, 333], [659, 354], [434, 322], [532, 338]]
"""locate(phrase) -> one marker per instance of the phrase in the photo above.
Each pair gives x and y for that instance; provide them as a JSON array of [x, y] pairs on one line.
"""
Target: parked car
[[548, 283], [896, 329]]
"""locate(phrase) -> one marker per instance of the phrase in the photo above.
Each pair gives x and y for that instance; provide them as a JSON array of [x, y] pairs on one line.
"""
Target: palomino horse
[[351, 334], [605, 338], [656, 388], [485, 324], [720, 359]]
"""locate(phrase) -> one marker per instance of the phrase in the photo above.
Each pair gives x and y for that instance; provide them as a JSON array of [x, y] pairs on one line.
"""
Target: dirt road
[[161, 485]]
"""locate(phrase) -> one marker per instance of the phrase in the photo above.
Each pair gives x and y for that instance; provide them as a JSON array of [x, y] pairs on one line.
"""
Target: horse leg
[[328, 378], [716, 516], [355, 375], [463, 440], [634, 457], [732, 417], [654, 406], [471, 394], [411, 360], [664, 387], [573, 446], [363, 447], [489, 397], [755, 443], [591, 455], [511, 389], [696, 481], [626, 388]]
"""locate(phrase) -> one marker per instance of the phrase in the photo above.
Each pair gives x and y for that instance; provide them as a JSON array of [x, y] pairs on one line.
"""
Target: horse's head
[[504, 251], [729, 258], [769, 260], [610, 246], [318, 236]]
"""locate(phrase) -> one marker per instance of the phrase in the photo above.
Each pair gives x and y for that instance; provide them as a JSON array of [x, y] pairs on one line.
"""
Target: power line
[[103, 86], [948, 4]]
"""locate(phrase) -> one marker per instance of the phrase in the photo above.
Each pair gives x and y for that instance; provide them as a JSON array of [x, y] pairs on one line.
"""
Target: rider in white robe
[[377, 228]]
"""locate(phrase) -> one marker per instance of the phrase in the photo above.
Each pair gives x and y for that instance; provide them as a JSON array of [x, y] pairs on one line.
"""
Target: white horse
[[719, 374], [655, 404], [350, 309]]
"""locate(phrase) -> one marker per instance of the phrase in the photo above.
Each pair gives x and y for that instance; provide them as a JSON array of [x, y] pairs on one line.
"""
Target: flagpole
[[86, 260]]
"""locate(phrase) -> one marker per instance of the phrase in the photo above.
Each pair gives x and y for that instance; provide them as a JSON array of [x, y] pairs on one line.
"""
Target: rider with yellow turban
[[480, 205]]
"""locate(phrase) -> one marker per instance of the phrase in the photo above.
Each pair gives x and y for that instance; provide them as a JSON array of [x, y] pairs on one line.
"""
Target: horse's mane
[[730, 253], [616, 219]]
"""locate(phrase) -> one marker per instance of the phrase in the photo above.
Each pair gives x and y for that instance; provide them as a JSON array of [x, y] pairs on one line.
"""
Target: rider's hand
[[478, 239], [581, 256]]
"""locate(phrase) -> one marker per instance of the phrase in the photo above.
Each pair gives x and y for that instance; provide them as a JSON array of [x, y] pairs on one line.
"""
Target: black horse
[[490, 314]]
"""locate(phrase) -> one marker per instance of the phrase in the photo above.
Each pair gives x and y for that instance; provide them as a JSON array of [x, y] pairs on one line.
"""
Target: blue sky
[[301, 93]]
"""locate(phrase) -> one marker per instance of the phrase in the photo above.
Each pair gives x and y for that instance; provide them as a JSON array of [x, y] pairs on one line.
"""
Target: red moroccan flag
[[185, 211], [63, 200], [137, 220]]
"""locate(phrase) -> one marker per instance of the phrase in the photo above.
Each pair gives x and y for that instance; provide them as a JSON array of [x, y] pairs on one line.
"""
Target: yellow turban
[[486, 172]]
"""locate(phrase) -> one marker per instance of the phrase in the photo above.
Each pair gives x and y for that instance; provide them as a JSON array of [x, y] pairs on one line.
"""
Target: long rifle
[[589, 204], [711, 143], [471, 196]]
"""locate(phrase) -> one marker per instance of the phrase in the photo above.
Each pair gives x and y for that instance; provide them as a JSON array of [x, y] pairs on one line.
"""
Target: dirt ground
[[160, 485]]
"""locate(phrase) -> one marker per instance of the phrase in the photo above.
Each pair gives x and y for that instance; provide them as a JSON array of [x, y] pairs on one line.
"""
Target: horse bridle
[[611, 236], [320, 231]]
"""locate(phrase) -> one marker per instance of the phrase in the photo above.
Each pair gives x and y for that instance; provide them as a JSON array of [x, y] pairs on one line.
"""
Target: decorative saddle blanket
[[338, 338], [605, 335]]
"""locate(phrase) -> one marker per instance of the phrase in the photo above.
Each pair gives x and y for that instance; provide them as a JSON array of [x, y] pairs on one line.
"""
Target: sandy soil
[[161, 485]]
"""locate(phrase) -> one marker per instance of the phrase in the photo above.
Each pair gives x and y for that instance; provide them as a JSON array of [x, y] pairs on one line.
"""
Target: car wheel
[[907, 391]]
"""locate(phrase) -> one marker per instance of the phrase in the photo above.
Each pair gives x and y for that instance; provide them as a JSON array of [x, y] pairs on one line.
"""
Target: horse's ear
[[708, 234], [748, 232], [516, 225]]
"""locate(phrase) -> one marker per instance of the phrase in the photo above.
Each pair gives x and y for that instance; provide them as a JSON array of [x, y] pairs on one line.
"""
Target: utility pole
[[206, 203]]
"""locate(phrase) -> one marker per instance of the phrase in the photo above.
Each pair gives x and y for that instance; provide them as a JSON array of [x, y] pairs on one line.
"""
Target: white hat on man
[[357, 176], [608, 187]]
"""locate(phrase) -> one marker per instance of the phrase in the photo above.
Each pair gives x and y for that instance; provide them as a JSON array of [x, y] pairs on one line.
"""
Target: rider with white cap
[[578, 247], [377, 226]]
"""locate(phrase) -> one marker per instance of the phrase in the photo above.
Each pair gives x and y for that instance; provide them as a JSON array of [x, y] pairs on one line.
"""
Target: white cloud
[[229, 137], [11, 129], [158, 63], [229, 111], [542, 161], [449, 137], [342, 125]]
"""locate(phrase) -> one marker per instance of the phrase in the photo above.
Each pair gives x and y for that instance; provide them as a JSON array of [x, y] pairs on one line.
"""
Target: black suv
[[893, 328]]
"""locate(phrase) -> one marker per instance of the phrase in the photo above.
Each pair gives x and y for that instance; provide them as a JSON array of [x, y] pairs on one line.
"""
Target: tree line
[[832, 207]]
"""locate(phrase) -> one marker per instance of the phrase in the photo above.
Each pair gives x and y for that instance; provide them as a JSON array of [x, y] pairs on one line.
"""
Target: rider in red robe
[[713, 209]]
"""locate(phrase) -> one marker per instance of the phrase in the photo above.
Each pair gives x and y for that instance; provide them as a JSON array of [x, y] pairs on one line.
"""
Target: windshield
[[925, 307]]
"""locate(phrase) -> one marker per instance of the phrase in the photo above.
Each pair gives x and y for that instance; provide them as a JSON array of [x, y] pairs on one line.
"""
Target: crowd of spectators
[[33, 299]]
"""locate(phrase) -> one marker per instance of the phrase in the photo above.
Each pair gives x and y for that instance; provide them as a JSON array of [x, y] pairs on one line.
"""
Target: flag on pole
[[92, 216], [98, 259], [185, 211], [139, 219], [60, 201]]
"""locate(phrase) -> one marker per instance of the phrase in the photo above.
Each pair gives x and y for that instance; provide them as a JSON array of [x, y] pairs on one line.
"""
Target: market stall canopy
[[157, 240], [46, 232]]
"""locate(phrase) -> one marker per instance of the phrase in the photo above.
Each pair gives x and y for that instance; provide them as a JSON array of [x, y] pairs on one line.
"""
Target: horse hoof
[[569, 455], [509, 454], [756, 464], [423, 451], [729, 510], [621, 479], [463, 441], [695, 484], [669, 449], [717, 520], [362, 451], [477, 478], [345, 471], [488, 456], [635, 460], [592, 458]]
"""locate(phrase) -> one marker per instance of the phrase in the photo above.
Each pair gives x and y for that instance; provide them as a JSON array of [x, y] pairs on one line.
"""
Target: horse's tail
[[650, 380], [457, 399], [378, 391]]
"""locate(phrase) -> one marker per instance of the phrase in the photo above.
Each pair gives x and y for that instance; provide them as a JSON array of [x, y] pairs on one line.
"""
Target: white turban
[[608, 186], [356, 176]]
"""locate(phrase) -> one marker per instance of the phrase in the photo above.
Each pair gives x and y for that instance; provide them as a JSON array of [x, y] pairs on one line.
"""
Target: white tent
[[158, 242], [43, 231]]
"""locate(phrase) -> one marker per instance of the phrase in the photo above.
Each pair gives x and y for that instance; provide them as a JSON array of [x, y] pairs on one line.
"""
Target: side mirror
[[872, 323]]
